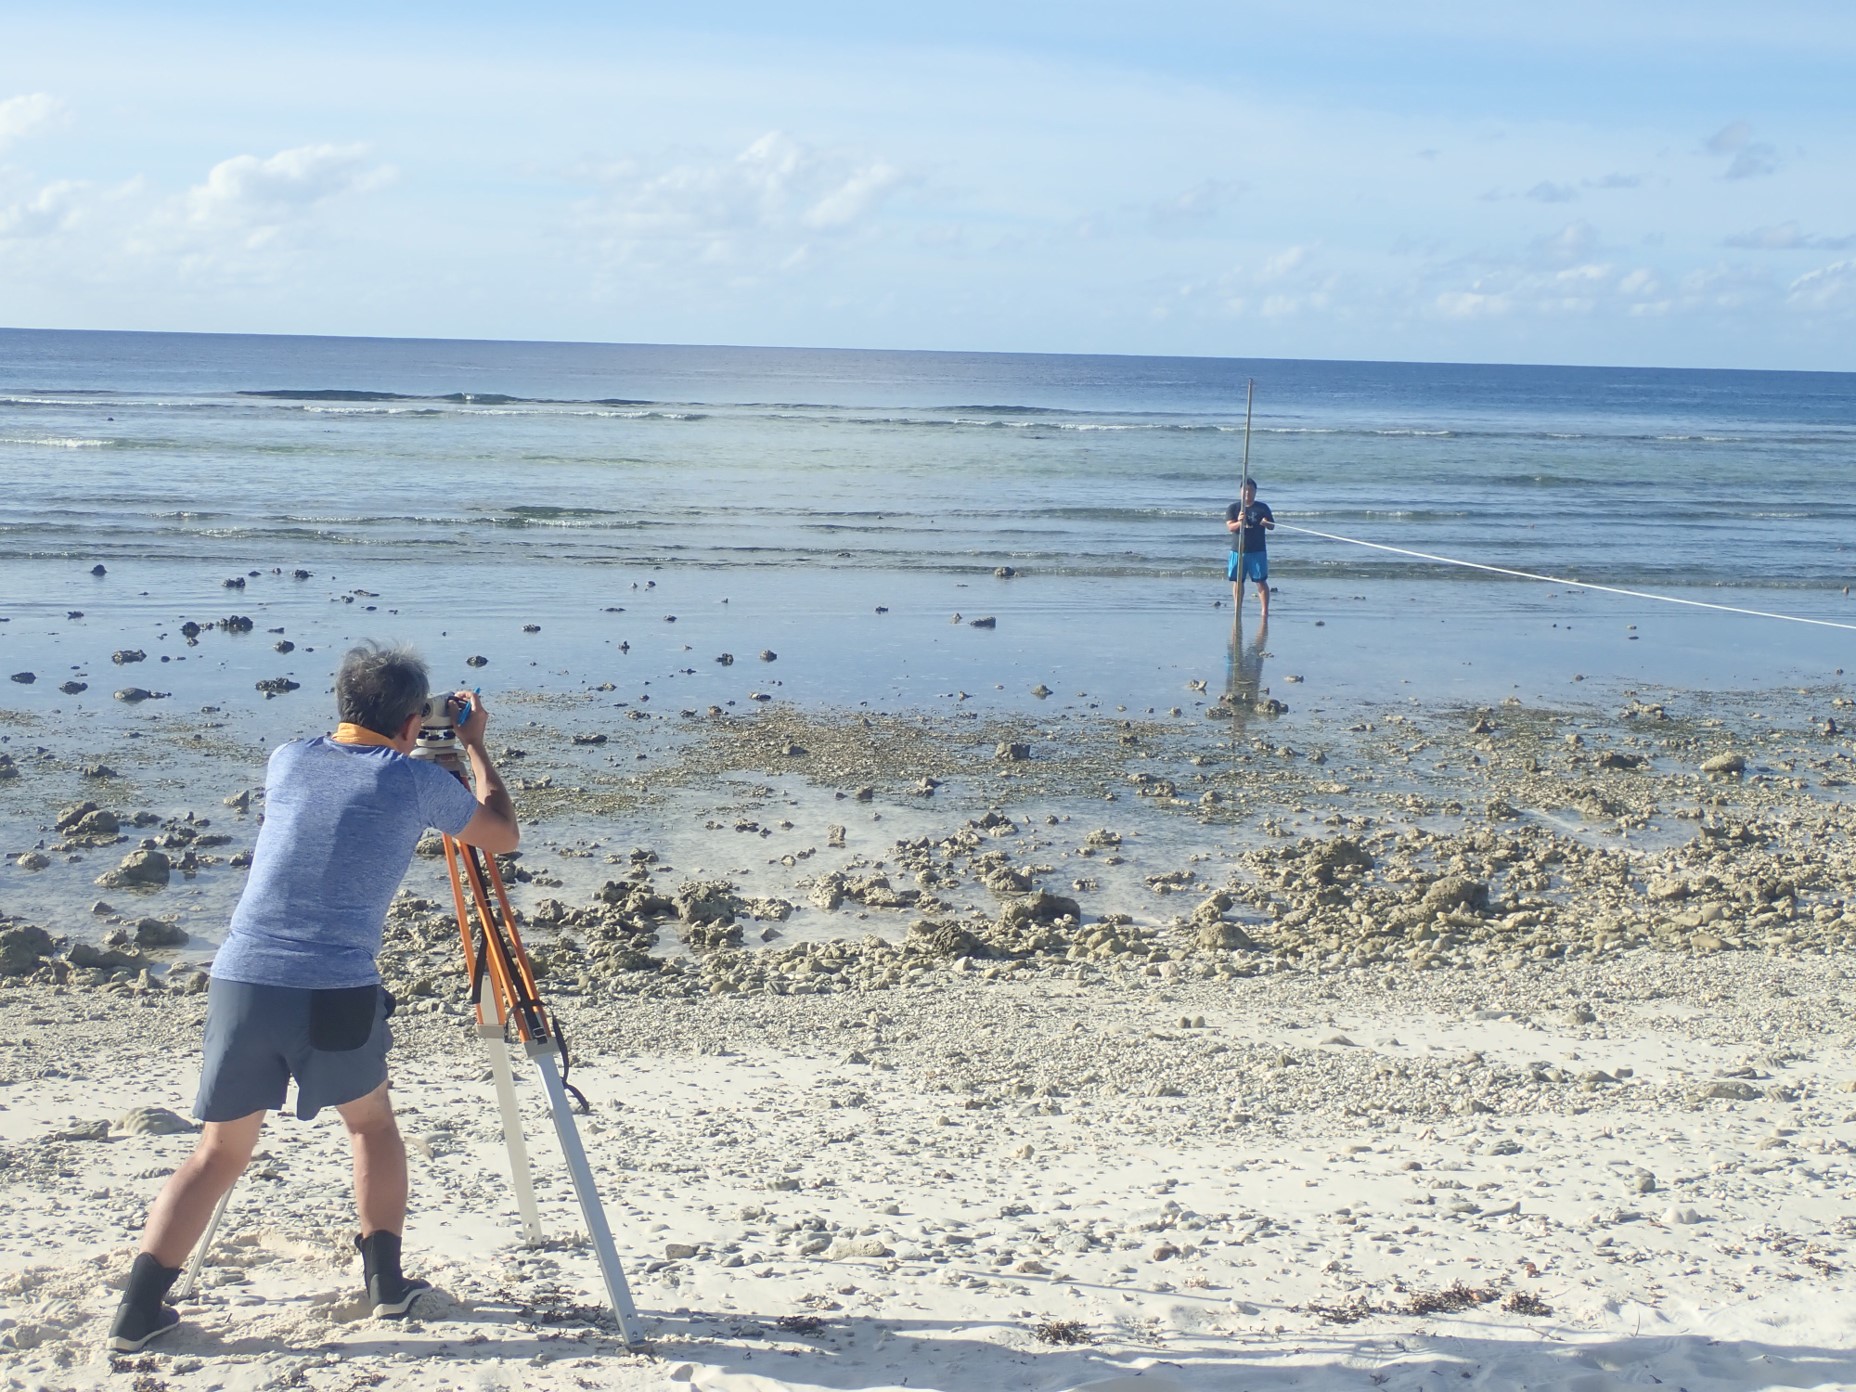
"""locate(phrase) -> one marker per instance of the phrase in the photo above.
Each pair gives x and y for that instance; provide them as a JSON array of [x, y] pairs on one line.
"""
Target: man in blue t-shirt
[[295, 993], [1247, 521]]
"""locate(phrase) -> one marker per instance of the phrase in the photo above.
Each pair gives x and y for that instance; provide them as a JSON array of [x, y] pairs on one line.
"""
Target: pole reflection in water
[[1243, 685]]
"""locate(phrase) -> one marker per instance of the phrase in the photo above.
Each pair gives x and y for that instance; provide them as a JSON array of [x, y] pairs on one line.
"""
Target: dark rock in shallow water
[[99, 569], [277, 686], [283, 645], [478, 661], [1042, 907], [988, 622], [158, 932], [190, 630], [122, 656], [300, 574], [139, 869], [237, 582], [90, 955], [72, 688], [708, 902], [768, 655], [25, 678], [86, 819], [946, 940], [23, 947], [132, 694]]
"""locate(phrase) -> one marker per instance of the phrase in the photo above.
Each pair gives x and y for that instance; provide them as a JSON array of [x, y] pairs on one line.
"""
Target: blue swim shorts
[[1256, 566], [334, 1043]]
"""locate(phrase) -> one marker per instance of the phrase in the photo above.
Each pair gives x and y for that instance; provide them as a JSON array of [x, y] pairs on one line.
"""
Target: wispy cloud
[[1195, 207], [1785, 236], [1574, 244], [1547, 192], [1831, 287], [1752, 158], [757, 210], [21, 116]]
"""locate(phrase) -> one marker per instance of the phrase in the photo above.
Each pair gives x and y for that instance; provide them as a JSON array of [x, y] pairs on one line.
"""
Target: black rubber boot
[[388, 1292], [142, 1316]]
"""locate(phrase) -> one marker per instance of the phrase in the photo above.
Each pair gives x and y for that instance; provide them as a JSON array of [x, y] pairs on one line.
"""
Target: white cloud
[[1283, 262], [1546, 192], [261, 194], [1828, 287], [49, 210], [753, 212], [20, 116], [855, 199], [1586, 274], [1471, 304]]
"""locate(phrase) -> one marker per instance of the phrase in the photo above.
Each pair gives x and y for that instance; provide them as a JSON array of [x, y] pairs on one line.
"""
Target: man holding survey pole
[[1248, 521], [295, 993]]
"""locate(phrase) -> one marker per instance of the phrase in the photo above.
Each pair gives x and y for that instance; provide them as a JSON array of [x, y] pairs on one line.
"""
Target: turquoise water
[[602, 524], [468, 485]]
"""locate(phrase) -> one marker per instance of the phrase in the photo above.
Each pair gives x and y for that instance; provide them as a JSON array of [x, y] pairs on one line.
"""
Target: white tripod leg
[[190, 1282], [492, 1036], [591, 1209]]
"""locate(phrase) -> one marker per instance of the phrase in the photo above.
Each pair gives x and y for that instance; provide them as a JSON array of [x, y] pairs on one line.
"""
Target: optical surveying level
[[497, 965], [494, 961]]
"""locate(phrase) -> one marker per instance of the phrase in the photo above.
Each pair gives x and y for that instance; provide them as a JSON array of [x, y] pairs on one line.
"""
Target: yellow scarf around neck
[[349, 733]]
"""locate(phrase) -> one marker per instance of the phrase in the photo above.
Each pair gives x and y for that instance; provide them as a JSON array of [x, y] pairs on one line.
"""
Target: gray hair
[[380, 685]]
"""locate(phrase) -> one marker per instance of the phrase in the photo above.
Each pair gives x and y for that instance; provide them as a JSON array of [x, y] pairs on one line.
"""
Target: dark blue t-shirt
[[340, 824], [1253, 532]]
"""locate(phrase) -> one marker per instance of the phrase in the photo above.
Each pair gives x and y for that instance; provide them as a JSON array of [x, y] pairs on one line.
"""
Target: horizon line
[[927, 352]]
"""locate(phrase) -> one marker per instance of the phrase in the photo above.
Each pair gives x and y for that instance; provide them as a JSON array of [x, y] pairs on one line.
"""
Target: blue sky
[[1642, 182]]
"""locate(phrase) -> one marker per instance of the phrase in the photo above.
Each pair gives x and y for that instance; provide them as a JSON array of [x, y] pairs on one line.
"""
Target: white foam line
[[1562, 580]]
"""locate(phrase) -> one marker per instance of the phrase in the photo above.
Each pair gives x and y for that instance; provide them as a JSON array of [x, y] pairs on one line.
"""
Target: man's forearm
[[489, 784]]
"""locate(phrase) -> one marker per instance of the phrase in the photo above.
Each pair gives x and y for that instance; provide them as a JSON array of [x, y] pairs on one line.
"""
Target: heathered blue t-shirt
[[340, 825]]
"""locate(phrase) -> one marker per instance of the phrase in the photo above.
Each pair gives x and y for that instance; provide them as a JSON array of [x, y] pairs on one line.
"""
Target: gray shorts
[[334, 1043]]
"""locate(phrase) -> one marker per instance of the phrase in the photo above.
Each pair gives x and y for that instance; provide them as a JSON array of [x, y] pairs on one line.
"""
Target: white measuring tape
[[1562, 580]]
